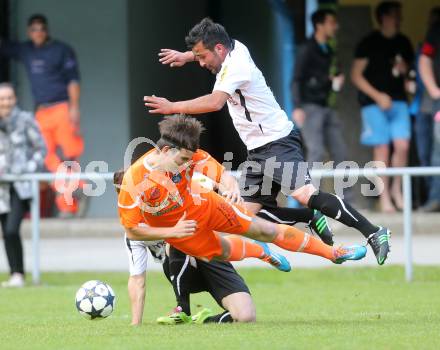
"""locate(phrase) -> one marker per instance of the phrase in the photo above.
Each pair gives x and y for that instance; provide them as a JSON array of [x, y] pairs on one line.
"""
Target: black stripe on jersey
[[243, 104]]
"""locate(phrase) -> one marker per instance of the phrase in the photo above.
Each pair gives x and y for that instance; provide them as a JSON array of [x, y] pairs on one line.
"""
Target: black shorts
[[218, 278], [274, 167]]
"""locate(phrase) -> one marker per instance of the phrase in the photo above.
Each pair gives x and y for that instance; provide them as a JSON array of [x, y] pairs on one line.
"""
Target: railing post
[[407, 226], [35, 222]]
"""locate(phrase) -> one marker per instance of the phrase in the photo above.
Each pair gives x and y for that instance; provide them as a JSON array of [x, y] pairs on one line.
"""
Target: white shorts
[[138, 254]]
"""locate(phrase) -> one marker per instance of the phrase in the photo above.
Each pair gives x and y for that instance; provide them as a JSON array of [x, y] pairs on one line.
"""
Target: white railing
[[406, 174]]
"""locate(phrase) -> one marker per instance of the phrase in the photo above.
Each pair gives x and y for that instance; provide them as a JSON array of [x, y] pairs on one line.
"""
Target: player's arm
[[229, 188], [357, 76], [204, 104], [175, 58], [183, 228]]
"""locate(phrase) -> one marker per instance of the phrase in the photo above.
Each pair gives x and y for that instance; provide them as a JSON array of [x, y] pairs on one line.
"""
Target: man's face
[[173, 159], [392, 20], [330, 26], [211, 60], [7, 101], [38, 34]]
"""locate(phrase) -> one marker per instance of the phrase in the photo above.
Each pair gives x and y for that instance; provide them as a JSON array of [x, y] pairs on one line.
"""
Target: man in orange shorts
[[157, 192], [52, 69]]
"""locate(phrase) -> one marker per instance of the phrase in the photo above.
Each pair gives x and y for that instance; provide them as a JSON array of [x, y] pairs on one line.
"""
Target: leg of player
[[239, 308], [335, 207], [235, 248], [136, 292], [294, 240], [314, 219]]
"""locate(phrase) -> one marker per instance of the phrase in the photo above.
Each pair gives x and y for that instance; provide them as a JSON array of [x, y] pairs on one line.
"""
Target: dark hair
[[7, 85], [180, 131], [434, 15], [386, 8], [118, 176], [319, 16], [37, 18], [209, 33]]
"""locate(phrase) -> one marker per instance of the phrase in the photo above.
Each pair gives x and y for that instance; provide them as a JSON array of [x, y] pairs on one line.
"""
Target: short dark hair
[[209, 33], [180, 131], [319, 16], [38, 18], [7, 85], [386, 8], [118, 176]]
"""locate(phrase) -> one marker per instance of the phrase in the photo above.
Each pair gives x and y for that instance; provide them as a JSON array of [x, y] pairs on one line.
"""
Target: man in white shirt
[[274, 145]]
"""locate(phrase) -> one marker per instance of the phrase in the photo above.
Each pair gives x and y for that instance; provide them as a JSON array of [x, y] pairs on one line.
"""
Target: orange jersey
[[160, 198]]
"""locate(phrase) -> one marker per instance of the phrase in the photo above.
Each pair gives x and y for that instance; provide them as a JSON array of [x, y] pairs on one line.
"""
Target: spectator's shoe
[[354, 252], [431, 207], [15, 281], [276, 260], [201, 316], [380, 243], [176, 317], [320, 226]]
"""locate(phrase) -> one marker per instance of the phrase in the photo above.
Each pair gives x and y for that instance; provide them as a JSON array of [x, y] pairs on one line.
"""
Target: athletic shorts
[[215, 214], [274, 167], [382, 127], [138, 254], [218, 278]]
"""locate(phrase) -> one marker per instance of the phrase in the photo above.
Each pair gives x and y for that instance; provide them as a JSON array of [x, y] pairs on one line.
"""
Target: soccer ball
[[95, 300]]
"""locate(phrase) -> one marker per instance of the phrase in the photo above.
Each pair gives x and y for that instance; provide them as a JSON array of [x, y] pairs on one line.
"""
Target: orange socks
[[241, 248], [292, 239]]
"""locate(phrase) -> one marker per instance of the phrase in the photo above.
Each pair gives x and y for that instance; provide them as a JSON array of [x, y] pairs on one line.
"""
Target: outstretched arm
[[175, 58], [204, 104]]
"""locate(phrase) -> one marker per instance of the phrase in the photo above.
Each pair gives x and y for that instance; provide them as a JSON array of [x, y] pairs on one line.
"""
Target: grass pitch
[[336, 308]]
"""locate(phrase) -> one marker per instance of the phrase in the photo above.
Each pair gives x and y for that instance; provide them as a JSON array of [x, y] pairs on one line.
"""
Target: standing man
[[312, 86], [381, 64], [274, 145], [52, 69], [429, 67]]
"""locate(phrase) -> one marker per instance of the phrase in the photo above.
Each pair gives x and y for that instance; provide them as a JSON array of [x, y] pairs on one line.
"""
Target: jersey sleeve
[[362, 49], [70, 65], [128, 205], [208, 166], [234, 74], [431, 43]]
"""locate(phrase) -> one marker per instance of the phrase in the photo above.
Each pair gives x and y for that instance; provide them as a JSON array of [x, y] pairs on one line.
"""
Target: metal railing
[[406, 173]]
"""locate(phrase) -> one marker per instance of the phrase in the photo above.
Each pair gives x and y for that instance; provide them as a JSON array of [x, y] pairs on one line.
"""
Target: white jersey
[[255, 113]]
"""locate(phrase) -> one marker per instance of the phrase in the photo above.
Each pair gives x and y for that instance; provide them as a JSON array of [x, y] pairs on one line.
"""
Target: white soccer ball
[[95, 300]]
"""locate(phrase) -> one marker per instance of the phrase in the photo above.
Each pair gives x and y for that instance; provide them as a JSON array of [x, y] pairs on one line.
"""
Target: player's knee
[[303, 194], [137, 281], [244, 315]]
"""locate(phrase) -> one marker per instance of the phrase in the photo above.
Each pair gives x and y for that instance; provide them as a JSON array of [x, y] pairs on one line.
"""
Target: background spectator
[[22, 150], [53, 73], [379, 70], [429, 67], [312, 86]]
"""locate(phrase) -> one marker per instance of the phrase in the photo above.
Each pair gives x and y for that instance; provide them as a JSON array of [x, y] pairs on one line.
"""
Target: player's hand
[[173, 58], [384, 101], [183, 228], [233, 197], [299, 116], [158, 105], [74, 115]]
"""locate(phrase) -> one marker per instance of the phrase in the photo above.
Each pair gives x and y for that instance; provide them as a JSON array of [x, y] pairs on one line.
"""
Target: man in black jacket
[[312, 85]]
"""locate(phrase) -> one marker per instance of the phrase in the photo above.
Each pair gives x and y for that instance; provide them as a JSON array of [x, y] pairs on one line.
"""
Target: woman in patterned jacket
[[22, 150]]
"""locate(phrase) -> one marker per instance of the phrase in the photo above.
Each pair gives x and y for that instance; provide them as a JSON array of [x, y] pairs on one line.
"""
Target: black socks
[[225, 317], [336, 208]]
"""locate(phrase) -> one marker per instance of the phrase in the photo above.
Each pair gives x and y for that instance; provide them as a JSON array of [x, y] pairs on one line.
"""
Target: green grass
[[336, 308]]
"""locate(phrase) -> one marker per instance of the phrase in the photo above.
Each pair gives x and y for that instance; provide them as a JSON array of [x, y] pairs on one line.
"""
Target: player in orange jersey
[[158, 193]]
